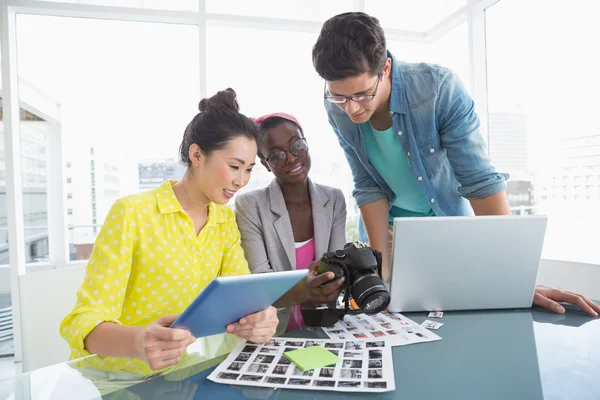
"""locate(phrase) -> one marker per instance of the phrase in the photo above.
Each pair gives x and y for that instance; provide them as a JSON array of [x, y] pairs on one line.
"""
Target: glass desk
[[511, 354]]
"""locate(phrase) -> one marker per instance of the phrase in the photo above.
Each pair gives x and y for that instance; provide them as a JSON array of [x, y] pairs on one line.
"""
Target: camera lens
[[369, 292], [374, 305], [376, 302]]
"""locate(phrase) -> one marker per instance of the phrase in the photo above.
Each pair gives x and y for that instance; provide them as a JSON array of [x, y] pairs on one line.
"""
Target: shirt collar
[[168, 203], [215, 215], [397, 97], [166, 199]]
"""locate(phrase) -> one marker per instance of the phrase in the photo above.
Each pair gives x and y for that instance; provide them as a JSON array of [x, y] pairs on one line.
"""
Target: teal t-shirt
[[386, 155]]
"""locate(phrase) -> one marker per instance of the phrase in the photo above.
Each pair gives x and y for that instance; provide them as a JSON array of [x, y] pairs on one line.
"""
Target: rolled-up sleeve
[[234, 262], [458, 125], [100, 297]]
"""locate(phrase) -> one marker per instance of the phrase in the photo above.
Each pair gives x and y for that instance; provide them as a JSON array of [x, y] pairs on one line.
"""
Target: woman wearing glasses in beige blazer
[[290, 223]]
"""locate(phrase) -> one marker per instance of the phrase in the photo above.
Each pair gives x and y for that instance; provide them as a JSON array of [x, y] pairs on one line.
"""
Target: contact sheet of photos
[[394, 328], [366, 366]]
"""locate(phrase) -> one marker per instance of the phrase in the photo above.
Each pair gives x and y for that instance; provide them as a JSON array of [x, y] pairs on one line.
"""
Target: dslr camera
[[361, 267]]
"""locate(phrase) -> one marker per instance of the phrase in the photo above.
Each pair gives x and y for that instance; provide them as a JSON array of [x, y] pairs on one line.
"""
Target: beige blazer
[[266, 231]]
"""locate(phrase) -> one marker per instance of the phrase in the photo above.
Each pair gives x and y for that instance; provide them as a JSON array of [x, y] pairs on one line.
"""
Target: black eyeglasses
[[358, 98], [278, 158]]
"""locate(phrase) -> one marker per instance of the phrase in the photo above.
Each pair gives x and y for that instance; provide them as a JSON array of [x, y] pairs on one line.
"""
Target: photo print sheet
[[394, 328], [366, 366]]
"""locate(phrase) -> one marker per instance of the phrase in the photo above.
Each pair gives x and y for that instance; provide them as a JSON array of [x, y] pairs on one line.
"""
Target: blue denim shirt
[[436, 125]]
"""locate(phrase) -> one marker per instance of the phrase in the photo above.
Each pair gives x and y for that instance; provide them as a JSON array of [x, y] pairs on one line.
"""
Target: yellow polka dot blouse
[[148, 261]]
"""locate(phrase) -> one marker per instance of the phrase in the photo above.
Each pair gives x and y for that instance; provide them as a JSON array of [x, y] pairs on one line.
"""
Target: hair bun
[[223, 99]]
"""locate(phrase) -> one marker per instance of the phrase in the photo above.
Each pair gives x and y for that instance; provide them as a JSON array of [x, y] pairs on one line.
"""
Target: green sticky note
[[312, 357]]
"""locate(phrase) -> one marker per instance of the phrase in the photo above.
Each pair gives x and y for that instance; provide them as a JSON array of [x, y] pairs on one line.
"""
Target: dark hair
[[269, 123], [349, 44], [218, 122]]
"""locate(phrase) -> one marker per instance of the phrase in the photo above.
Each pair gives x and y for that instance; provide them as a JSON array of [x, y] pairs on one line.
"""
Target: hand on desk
[[256, 328], [548, 297]]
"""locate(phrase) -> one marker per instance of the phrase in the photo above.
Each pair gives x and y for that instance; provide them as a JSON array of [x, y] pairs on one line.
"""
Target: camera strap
[[346, 288]]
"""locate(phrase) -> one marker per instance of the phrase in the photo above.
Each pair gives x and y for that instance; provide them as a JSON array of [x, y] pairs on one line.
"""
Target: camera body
[[360, 265]]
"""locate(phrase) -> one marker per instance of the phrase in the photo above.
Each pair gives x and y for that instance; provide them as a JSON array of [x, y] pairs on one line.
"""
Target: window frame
[[473, 13]]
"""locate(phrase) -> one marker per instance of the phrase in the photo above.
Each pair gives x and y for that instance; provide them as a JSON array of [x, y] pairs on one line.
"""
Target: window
[[90, 68], [450, 50], [546, 144], [419, 15], [272, 89], [297, 10], [4, 257], [176, 5], [34, 171]]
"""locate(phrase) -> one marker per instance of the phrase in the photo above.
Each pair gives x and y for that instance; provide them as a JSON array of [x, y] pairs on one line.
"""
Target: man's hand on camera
[[321, 289]]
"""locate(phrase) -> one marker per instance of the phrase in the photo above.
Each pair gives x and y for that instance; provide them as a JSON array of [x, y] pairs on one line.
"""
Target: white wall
[[575, 277], [46, 298], [5, 274]]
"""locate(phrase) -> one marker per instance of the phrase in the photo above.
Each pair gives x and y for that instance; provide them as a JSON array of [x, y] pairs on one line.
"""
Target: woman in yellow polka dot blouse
[[157, 250]]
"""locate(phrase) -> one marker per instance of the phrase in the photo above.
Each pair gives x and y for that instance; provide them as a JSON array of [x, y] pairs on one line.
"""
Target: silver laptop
[[465, 263]]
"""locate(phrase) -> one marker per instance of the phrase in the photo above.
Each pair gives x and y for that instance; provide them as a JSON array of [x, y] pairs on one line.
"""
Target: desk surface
[[516, 354]]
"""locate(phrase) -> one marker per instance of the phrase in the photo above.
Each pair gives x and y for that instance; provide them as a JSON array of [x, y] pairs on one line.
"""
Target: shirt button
[[408, 153], [420, 178], [432, 200], [432, 150], [399, 133]]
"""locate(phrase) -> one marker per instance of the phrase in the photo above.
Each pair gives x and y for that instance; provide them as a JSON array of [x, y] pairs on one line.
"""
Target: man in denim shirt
[[411, 137]]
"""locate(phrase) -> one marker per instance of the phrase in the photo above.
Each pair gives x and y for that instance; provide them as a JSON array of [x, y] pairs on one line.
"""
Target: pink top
[[305, 254]]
